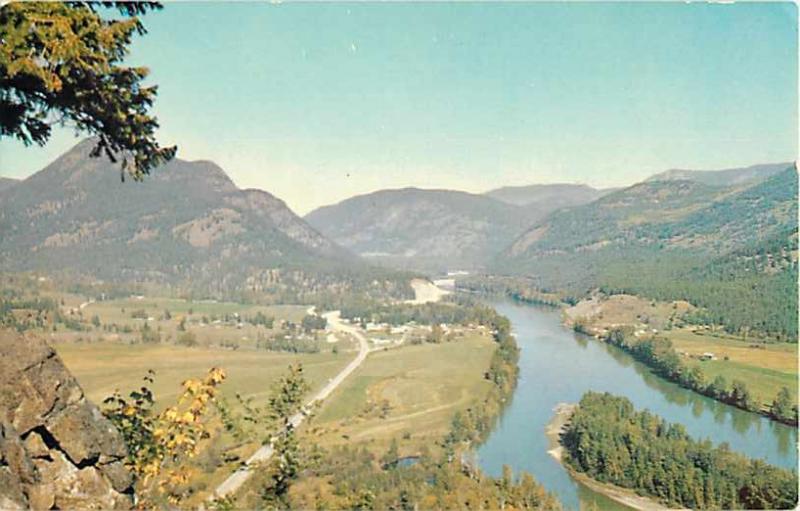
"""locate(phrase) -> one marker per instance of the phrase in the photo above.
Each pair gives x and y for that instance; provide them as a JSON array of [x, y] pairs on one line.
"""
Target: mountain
[[422, 229], [7, 182], [559, 195], [732, 250], [187, 224], [538, 201], [721, 178]]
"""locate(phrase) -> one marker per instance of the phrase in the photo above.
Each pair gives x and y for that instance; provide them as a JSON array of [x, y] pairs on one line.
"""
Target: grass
[[423, 386], [765, 368], [103, 367], [776, 356], [763, 383], [117, 313]]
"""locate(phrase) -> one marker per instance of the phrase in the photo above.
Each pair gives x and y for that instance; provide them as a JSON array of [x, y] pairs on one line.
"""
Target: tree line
[[611, 442], [658, 353]]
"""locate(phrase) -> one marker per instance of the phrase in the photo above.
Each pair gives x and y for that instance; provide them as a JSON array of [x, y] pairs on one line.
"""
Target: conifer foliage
[[611, 442], [61, 64]]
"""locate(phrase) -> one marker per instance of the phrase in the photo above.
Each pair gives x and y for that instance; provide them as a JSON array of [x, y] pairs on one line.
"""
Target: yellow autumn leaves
[[177, 433]]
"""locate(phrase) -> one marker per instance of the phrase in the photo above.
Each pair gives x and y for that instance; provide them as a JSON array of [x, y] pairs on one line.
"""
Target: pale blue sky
[[317, 102]]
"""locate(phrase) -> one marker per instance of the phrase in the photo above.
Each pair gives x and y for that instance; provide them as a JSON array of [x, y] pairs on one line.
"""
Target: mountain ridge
[[185, 224], [731, 250], [723, 177], [569, 194], [411, 227]]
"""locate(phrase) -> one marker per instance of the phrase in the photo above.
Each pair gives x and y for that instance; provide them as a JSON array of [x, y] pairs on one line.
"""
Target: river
[[558, 366]]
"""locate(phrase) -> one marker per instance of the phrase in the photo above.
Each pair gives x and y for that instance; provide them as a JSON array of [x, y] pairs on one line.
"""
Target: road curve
[[238, 478]]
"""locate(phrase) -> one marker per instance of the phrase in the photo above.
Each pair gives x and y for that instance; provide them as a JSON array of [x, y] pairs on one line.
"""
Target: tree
[[782, 407], [718, 388], [740, 395], [390, 457], [286, 463], [437, 334], [60, 64], [187, 339], [161, 446]]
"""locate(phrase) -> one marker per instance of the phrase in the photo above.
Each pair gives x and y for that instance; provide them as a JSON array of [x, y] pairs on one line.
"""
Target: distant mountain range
[[732, 249], [422, 229], [435, 230], [557, 195], [673, 213], [677, 234], [727, 177], [187, 224]]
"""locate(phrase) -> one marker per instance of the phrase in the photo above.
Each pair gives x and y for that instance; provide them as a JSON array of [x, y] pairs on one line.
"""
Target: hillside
[[732, 250], [186, 225], [727, 177], [7, 182], [422, 229], [563, 195]]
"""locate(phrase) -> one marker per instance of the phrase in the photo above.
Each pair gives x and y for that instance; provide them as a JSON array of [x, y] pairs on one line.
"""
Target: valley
[[648, 292], [399, 256]]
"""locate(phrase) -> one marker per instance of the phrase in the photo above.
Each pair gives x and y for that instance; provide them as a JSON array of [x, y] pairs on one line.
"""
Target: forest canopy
[[613, 443]]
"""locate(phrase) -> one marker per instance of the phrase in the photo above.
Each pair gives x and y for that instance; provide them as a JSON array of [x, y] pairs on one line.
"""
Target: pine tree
[[60, 63]]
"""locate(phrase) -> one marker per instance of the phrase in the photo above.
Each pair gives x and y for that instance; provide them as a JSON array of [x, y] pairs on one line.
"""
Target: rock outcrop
[[56, 448]]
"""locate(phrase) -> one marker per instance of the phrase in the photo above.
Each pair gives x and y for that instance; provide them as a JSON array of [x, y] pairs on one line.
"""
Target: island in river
[[558, 365], [624, 496]]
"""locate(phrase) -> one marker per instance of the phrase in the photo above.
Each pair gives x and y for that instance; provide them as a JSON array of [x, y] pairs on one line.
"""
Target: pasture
[[765, 368], [410, 393], [104, 367]]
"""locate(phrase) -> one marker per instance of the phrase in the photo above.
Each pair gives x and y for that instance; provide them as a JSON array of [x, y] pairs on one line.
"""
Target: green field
[[423, 386], [763, 383], [765, 368]]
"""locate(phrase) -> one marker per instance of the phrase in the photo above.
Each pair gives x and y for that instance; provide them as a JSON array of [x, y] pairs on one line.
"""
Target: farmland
[[765, 367], [411, 392]]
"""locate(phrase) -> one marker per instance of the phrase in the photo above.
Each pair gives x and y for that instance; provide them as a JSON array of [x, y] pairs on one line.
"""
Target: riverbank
[[556, 366], [750, 382], [557, 425], [645, 329]]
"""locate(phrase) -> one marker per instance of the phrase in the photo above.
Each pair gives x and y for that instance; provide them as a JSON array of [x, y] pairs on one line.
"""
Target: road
[[238, 478]]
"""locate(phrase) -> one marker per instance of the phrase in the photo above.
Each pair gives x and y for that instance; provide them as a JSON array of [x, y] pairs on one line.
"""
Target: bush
[[187, 339]]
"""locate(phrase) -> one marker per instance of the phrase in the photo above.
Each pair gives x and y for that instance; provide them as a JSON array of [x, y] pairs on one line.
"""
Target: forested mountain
[[187, 224], [727, 177], [732, 250], [422, 229]]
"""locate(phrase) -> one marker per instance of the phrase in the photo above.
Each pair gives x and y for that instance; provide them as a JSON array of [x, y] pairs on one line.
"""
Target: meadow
[[408, 394], [102, 368], [405, 391], [766, 368]]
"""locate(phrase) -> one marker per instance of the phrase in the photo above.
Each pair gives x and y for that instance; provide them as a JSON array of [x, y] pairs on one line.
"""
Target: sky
[[317, 102]]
